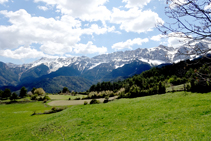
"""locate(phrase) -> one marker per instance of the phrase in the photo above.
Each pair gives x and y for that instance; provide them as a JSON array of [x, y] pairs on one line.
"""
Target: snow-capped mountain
[[154, 56], [79, 73]]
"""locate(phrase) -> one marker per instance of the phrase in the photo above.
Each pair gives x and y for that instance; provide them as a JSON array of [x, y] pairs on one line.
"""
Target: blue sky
[[31, 29]]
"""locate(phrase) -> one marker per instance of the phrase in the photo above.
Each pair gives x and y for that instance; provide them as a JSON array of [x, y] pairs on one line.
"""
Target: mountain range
[[79, 73]]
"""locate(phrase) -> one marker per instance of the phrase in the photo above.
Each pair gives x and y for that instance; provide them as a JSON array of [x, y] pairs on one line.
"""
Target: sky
[[31, 29]]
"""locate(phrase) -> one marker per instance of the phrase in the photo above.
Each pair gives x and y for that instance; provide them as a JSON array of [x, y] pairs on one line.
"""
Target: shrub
[[29, 94], [39, 91], [65, 90], [14, 97], [53, 108], [94, 101], [40, 99], [84, 97], [85, 102], [77, 98], [23, 92], [47, 97], [34, 97], [45, 100], [106, 97], [105, 101], [69, 99], [188, 87]]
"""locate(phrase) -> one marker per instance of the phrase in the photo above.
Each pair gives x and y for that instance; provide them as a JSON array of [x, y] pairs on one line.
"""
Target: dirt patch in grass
[[74, 102]]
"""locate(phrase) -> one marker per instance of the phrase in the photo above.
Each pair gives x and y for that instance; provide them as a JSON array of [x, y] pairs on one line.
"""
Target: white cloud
[[176, 3], [94, 28], [157, 37], [44, 8], [129, 43], [135, 20], [22, 53], [55, 36], [26, 30], [86, 10], [136, 3], [3, 1], [89, 48], [207, 7], [177, 39], [53, 48]]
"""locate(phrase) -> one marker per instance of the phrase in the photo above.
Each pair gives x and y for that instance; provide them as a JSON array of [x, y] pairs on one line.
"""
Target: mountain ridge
[[105, 67]]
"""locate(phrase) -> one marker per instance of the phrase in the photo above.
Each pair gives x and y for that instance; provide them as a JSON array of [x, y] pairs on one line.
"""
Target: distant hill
[[56, 84]]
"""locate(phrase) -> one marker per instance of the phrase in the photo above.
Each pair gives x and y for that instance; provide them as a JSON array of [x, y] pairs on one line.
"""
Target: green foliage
[[40, 99], [46, 97], [33, 89], [85, 102], [34, 97], [77, 98], [94, 101], [200, 79], [65, 90], [23, 92], [106, 100], [13, 97], [153, 81], [6, 93], [161, 88], [1, 93], [101, 94], [39, 91], [56, 84]]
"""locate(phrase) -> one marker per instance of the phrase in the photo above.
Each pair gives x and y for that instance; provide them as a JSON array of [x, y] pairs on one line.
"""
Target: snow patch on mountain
[[153, 56], [95, 65]]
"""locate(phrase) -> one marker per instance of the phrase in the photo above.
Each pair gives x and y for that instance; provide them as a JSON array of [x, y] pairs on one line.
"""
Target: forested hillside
[[196, 74]]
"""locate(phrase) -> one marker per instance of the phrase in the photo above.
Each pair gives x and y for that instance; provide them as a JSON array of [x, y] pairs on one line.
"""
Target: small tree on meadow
[[6, 93], [13, 97], [23, 92], [39, 91], [161, 88], [33, 89], [65, 90], [1, 93]]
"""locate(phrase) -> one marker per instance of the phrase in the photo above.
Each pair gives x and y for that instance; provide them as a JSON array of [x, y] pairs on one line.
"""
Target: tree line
[[154, 81], [12, 96]]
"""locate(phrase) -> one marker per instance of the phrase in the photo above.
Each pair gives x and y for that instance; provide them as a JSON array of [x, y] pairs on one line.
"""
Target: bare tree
[[191, 24]]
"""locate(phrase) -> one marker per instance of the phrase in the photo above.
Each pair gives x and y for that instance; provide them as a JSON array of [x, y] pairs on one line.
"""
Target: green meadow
[[171, 116], [64, 97]]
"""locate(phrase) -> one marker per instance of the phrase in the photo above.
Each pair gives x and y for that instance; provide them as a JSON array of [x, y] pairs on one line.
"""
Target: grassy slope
[[171, 116]]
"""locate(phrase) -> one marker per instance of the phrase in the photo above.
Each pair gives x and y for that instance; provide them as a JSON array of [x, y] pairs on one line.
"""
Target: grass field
[[172, 116], [74, 102], [64, 97], [176, 88]]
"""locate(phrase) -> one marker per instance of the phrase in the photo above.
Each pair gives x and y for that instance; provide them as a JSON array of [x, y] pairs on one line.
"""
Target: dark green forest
[[196, 74]]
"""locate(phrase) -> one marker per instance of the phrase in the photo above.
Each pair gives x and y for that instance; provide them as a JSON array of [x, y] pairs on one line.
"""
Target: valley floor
[[75, 102], [172, 116]]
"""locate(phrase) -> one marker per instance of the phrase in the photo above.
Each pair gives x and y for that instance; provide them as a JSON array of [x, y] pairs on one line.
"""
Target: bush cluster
[[85, 102], [94, 101], [101, 94], [40, 98]]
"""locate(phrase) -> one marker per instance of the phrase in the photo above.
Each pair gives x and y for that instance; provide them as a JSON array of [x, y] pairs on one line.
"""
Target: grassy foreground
[[173, 116]]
